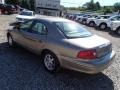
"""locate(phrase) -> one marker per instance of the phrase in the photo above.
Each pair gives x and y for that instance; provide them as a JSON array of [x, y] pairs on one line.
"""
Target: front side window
[[39, 28], [72, 29]]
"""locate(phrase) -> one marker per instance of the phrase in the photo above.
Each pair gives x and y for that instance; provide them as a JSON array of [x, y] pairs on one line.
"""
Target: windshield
[[26, 13], [72, 29], [103, 17]]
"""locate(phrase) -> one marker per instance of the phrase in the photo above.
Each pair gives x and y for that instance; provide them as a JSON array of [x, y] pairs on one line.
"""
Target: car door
[[17, 33], [35, 37]]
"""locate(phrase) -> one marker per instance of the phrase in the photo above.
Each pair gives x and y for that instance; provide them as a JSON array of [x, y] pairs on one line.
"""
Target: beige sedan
[[63, 43]]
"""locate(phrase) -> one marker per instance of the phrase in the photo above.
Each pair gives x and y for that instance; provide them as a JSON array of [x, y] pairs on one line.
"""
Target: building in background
[[2, 1], [48, 7]]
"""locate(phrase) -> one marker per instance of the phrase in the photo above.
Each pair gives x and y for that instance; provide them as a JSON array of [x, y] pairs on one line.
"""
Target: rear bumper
[[91, 67]]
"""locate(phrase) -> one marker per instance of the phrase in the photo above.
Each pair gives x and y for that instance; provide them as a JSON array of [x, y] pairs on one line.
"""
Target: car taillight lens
[[88, 54]]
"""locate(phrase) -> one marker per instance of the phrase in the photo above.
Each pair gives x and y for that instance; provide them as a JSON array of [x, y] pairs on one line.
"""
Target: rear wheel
[[51, 62], [103, 26]]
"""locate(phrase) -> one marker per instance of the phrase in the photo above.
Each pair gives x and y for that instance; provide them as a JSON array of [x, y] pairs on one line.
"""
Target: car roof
[[104, 15], [27, 11], [52, 19]]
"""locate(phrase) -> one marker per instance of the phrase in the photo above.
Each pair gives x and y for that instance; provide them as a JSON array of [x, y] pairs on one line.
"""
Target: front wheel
[[103, 26], [10, 41], [118, 31], [84, 22], [91, 24], [51, 62]]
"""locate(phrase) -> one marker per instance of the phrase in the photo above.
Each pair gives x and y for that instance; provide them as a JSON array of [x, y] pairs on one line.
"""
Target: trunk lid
[[101, 45]]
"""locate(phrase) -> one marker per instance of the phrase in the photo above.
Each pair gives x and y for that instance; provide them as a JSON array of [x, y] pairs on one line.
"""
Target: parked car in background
[[91, 21], [25, 15], [7, 9], [78, 18], [101, 21], [84, 18], [63, 43], [115, 25], [106, 23]]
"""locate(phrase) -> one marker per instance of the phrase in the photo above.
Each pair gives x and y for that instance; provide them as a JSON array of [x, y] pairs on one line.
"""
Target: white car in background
[[115, 25], [102, 21], [91, 21], [107, 22], [25, 15]]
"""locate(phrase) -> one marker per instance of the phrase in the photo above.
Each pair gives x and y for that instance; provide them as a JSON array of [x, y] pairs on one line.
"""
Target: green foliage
[[32, 3], [92, 6], [16, 2], [24, 4], [117, 6], [107, 9], [98, 7]]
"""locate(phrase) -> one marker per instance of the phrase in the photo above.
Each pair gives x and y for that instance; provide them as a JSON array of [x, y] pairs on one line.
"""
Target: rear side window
[[26, 25]]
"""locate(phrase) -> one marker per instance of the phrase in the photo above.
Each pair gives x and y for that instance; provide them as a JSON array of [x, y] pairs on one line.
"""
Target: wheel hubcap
[[49, 62], [10, 41], [102, 26], [91, 24]]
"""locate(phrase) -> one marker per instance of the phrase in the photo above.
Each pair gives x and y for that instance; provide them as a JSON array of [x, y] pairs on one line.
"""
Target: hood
[[91, 18], [88, 42], [116, 22], [25, 17]]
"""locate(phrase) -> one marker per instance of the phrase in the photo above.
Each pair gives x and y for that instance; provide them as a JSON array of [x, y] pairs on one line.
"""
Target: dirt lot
[[22, 70]]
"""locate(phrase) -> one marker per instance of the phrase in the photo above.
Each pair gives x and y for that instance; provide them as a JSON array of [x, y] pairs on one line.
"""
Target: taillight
[[88, 54]]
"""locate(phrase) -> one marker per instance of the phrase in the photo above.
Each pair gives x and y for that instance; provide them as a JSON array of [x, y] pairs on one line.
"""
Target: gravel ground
[[22, 70]]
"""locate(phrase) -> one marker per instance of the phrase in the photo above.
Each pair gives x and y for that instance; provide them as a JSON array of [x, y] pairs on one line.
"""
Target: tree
[[117, 6], [14, 2], [98, 6], [91, 5], [107, 9], [25, 4], [32, 5]]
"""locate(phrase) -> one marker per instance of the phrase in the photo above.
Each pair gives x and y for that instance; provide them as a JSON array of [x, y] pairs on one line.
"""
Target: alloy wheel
[[49, 62]]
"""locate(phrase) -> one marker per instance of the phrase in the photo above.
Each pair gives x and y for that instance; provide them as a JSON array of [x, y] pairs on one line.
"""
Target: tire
[[51, 62], [118, 31], [103, 26], [91, 24], [11, 43], [83, 22], [6, 12]]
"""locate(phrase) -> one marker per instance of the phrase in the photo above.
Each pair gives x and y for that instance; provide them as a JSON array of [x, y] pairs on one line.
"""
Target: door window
[[26, 26], [39, 28]]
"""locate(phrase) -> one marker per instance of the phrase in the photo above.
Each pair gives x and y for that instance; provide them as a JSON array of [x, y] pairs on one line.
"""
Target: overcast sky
[[76, 3]]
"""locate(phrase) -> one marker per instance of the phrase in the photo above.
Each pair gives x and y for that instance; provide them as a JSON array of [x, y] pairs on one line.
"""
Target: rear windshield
[[72, 29], [26, 13]]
